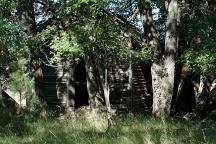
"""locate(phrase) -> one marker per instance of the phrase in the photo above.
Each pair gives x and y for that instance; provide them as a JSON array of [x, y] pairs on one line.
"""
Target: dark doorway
[[81, 94], [186, 101]]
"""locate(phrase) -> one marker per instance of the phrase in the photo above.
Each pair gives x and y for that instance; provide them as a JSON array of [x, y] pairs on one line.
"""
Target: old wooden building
[[65, 85]]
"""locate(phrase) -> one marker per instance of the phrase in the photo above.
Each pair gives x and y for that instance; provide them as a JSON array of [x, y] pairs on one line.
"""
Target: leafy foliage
[[93, 33], [20, 80], [201, 56], [14, 52]]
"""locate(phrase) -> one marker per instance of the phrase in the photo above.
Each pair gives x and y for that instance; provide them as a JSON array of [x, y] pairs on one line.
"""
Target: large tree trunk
[[153, 41], [169, 60], [162, 69]]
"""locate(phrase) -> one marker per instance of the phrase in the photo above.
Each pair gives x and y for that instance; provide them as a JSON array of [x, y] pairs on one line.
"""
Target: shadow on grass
[[12, 123]]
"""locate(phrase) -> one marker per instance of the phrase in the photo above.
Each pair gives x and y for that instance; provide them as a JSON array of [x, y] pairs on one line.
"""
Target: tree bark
[[91, 84], [106, 92], [103, 73], [153, 41], [40, 88], [27, 15], [97, 82], [169, 60], [162, 69]]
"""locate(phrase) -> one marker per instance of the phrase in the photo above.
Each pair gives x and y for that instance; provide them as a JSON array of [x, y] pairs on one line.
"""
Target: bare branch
[[134, 14]]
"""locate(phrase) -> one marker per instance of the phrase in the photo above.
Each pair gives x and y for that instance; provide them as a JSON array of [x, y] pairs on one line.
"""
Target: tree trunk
[[153, 41], [169, 60], [156, 72], [97, 82], [106, 92], [103, 73], [40, 89], [27, 15], [162, 70], [91, 84]]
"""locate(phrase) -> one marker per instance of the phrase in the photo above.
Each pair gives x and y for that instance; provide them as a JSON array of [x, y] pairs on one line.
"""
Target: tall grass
[[126, 130]]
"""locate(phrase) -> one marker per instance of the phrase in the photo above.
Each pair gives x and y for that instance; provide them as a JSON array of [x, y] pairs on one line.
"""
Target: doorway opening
[[81, 94]]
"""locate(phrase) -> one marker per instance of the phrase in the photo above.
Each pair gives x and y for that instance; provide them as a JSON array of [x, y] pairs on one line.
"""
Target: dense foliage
[[200, 57]]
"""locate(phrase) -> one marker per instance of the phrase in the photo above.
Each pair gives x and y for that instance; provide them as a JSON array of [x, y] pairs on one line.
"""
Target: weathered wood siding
[[127, 87], [55, 81], [65, 85], [120, 87]]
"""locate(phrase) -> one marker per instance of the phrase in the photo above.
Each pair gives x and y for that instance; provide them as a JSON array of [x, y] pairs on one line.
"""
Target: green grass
[[126, 130]]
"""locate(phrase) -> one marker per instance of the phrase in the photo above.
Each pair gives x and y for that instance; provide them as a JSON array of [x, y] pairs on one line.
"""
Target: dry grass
[[126, 130]]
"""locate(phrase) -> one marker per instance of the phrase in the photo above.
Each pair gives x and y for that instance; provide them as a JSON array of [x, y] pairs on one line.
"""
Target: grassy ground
[[126, 130]]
